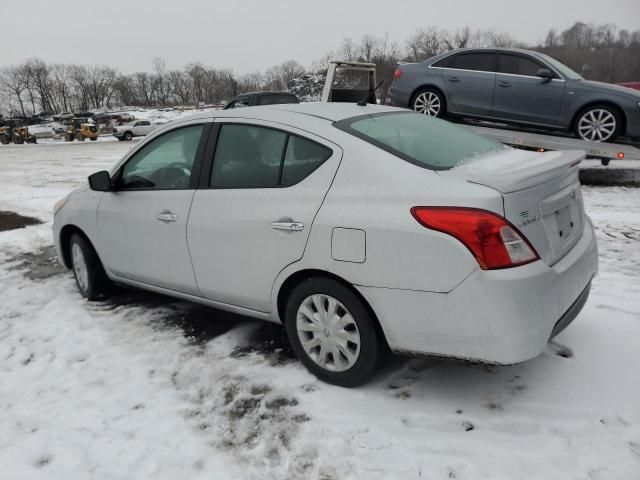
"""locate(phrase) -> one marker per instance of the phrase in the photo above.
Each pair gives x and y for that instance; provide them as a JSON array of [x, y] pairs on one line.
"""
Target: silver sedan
[[360, 228]]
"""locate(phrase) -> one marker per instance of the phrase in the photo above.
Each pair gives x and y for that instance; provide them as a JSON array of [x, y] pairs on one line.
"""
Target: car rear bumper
[[495, 316], [400, 97]]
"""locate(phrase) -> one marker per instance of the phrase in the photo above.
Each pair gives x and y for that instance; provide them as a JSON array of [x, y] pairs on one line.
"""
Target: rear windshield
[[424, 141]]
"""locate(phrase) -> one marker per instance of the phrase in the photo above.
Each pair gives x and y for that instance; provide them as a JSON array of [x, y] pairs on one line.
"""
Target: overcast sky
[[249, 35]]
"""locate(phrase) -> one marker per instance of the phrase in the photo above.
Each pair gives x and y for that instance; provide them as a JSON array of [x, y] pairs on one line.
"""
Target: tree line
[[598, 52]]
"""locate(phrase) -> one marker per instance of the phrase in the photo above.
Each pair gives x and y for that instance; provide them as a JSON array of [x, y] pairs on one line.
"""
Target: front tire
[[80, 137], [128, 136], [332, 332], [598, 123], [430, 102], [91, 279]]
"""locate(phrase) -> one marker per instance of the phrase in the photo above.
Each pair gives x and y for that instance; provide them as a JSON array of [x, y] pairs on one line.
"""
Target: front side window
[[165, 162], [519, 65], [424, 141], [479, 61], [249, 156]]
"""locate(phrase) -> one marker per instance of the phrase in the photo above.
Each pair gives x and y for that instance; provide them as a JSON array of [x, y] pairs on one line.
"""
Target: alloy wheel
[[328, 333], [427, 103], [597, 125]]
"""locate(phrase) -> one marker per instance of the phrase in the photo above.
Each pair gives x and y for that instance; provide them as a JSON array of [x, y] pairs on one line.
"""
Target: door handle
[[288, 226], [504, 84], [453, 79], [167, 217]]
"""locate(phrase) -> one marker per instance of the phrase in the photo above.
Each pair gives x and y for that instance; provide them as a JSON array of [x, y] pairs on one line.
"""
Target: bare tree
[[14, 83]]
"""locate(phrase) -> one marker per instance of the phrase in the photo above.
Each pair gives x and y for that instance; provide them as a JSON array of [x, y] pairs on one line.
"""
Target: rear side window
[[301, 159], [277, 99], [519, 65], [483, 62], [424, 141], [249, 156]]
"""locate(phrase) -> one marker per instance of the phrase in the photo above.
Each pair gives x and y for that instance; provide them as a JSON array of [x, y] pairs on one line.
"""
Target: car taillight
[[492, 240], [397, 73]]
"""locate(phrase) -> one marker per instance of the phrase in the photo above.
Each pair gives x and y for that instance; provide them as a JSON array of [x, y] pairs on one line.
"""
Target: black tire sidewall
[[128, 136], [370, 346], [443, 101], [97, 279], [612, 111]]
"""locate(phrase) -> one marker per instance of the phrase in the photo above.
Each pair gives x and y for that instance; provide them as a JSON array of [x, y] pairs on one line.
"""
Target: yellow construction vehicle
[[79, 128], [13, 130]]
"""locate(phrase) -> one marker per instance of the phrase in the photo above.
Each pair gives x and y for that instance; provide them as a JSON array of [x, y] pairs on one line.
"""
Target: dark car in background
[[261, 98], [520, 87]]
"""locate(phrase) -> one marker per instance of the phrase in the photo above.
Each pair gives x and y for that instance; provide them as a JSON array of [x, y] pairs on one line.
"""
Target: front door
[[520, 95], [255, 213], [142, 224], [469, 82]]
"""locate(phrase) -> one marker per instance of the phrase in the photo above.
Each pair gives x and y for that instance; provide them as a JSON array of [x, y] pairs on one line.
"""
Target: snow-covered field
[[146, 387]]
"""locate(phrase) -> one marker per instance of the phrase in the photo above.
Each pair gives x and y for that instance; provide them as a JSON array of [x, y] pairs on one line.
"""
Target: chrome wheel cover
[[328, 333], [427, 103], [80, 267], [597, 125]]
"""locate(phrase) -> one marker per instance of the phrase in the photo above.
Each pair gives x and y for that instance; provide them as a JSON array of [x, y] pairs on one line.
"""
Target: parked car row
[[517, 86]]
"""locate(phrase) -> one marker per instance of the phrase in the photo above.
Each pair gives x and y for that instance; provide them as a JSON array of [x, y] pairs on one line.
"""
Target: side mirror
[[100, 181], [545, 73]]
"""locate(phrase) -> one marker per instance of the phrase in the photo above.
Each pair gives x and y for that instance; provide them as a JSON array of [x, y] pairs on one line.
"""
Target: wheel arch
[[65, 239], [299, 276], [595, 103]]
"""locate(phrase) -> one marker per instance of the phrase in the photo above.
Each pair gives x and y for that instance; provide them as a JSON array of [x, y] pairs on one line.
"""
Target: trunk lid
[[541, 193]]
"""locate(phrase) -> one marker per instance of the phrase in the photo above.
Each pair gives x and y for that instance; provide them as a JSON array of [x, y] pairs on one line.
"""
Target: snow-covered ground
[[146, 387]]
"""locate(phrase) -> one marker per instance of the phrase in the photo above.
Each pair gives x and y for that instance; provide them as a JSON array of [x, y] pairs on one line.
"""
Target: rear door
[[255, 208], [520, 95], [469, 81]]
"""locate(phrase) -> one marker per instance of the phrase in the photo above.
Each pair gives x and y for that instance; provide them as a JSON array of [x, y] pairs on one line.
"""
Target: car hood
[[609, 87]]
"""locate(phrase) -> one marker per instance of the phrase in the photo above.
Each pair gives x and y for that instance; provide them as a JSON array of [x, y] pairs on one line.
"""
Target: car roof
[[493, 49], [331, 112], [264, 94]]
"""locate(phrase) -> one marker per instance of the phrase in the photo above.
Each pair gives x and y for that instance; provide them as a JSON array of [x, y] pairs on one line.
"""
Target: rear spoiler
[[533, 169]]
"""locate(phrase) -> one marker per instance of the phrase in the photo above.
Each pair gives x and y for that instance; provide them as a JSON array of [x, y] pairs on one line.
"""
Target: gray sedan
[[520, 87]]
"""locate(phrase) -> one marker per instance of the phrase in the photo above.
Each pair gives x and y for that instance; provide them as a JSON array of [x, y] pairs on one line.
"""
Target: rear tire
[[91, 279], [4, 139], [430, 102], [341, 343], [68, 137], [93, 139], [18, 139], [598, 123]]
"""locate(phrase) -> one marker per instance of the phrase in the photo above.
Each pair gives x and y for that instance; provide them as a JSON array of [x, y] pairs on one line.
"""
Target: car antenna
[[365, 100]]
